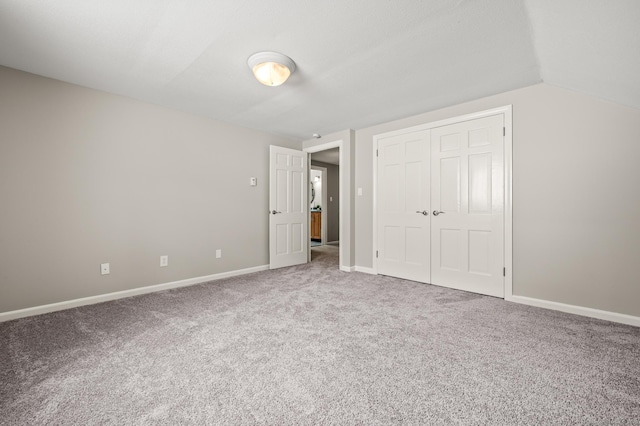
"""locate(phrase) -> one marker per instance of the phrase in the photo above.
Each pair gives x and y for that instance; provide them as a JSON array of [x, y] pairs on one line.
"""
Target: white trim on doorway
[[344, 228], [507, 111]]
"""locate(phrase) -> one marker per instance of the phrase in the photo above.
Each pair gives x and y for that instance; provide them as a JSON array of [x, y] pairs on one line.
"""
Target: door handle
[[436, 212], [275, 212], [423, 212]]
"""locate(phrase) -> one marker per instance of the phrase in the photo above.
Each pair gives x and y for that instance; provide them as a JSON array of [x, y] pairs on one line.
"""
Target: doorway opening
[[324, 204], [318, 205]]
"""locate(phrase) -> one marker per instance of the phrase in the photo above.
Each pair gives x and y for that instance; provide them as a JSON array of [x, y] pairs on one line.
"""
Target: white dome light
[[271, 68]]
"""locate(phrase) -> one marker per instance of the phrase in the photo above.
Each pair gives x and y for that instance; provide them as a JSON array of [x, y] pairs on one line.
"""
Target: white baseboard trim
[[578, 310], [366, 270], [347, 268], [43, 309]]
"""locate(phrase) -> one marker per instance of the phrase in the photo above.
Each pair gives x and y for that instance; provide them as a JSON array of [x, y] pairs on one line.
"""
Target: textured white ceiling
[[592, 46], [360, 62]]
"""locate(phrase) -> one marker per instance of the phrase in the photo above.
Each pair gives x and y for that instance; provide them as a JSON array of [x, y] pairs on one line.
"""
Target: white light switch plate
[[104, 269], [164, 261], [359, 191], [218, 254]]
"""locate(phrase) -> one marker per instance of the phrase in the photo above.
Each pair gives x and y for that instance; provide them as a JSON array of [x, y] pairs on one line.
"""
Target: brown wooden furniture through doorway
[[316, 226]]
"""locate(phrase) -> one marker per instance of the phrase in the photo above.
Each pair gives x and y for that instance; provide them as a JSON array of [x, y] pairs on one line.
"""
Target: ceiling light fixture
[[271, 68]]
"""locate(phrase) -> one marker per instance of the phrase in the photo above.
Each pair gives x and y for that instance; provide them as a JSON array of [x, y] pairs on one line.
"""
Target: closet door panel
[[467, 191], [403, 203]]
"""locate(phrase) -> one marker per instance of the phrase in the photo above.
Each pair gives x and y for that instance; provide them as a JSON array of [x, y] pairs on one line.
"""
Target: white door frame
[[344, 186], [323, 204], [507, 110]]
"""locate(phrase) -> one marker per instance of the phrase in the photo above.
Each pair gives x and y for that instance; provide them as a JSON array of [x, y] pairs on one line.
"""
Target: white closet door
[[467, 202], [403, 206]]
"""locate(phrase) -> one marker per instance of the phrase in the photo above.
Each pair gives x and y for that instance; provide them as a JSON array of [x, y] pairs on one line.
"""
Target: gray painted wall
[[576, 195], [88, 177], [332, 187]]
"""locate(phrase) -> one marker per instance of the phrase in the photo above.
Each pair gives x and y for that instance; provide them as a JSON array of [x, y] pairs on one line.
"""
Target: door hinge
[[504, 131], [504, 272], [376, 253]]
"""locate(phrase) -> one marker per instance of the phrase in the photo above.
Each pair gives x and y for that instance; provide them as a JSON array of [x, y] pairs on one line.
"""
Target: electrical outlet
[[253, 181], [218, 254], [164, 261], [104, 269]]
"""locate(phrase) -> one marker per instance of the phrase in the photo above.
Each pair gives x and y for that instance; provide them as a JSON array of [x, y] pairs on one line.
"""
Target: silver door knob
[[275, 212], [436, 212], [423, 212]]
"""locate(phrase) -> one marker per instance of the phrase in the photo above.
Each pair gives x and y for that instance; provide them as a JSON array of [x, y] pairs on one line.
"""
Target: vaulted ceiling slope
[[360, 62], [591, 46]]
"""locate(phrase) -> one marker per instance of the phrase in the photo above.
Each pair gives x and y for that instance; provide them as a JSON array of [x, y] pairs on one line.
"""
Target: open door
[[288, 207]]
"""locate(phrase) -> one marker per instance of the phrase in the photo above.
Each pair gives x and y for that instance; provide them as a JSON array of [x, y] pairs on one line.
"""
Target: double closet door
[[440, 205]]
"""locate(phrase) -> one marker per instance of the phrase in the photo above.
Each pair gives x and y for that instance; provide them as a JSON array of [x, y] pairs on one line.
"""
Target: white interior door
[[467, 198], [288, 207], [403, 206]]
